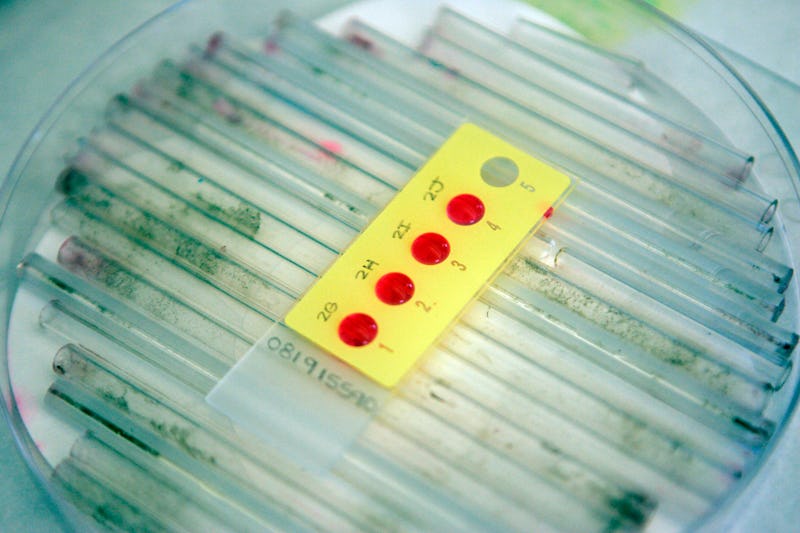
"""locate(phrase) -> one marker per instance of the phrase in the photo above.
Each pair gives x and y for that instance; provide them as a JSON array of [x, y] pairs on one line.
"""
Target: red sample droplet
[[430, 248], [358, 329], [465, 209], [548, 213], [394, 288]]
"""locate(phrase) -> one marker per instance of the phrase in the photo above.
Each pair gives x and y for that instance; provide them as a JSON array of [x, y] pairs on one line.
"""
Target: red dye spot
[[361, 42], [75, 258], [394, 288], [465, 209], [214, 42], [548, 213], [226, 110], [430, 248], [270, 47], [358, 329], [334, 147]]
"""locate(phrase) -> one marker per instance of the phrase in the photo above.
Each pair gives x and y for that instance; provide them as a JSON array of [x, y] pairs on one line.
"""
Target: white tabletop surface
[[46, 43]]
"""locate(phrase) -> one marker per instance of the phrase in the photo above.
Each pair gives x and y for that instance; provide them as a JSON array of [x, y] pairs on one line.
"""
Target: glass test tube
[[161, 270], [231, 145], [733, 247], [197, 445], [89, 304], [644, 114], [646, 88], [171, 395], [101, 333], [134, 256], [184, 283], [729, 256], [725, 276], [501, 472], [360, 473], [255, 233], [150, 381], [603, 66], [704, 380], [96, 378], [107, 509], [404, 407], [100, 233], [548, 262], [55, 316], [348, 66], [291, 276], [150, 492], [782, 340], [144, 116], [757, 334], [719, 297], [524, 413], [587, 297], [606, 405], [119, 281], [753, 432], [318, 145], [689, 173]]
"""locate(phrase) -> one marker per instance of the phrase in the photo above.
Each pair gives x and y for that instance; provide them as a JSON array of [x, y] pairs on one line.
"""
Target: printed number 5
[[527, 186]]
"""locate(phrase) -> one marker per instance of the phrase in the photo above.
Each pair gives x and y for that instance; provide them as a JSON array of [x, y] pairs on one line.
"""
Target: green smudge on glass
[[604, 22]]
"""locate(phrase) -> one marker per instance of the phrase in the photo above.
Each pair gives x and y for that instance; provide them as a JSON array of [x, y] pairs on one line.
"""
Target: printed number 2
[[327, 311]]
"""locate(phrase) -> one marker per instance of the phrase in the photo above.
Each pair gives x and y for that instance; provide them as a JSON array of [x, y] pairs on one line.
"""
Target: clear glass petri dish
[[726, 110]]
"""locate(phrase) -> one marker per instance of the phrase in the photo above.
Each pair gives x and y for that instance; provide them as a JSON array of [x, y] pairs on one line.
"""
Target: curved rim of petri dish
[[772, 129], [23, 440], [751, 102]]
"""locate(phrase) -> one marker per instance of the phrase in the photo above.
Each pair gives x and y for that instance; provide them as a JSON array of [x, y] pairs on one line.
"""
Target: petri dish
[[78, 124]]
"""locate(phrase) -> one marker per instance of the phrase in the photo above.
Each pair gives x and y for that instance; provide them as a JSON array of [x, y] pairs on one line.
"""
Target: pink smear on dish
[[270, 47], [331, 147], [26, 409]]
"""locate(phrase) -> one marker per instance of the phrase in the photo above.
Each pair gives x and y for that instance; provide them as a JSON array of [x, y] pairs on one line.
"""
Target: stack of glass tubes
[[615, 376]]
